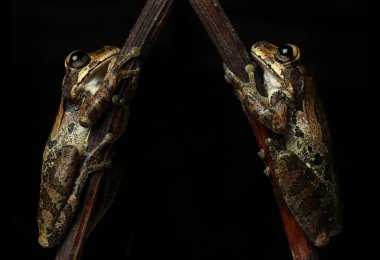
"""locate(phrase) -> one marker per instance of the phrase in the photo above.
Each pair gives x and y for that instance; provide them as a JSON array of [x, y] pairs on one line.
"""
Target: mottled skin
[[300, 148], [66, 164]]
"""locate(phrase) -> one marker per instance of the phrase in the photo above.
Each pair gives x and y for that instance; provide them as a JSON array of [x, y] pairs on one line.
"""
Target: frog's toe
[[261, 153], [267, 171]]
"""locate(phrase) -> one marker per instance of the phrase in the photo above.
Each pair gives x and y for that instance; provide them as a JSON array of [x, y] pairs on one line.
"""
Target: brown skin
[[301, 149], [66, 164]]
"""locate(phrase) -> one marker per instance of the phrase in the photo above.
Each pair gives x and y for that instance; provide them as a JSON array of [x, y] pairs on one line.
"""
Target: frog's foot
[[122, 60], [122, 73], [100, 166], [93, 155], [236, 81], [133, 75]]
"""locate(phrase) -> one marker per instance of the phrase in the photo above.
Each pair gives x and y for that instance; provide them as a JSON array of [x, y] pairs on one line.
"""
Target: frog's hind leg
[[304, 194]]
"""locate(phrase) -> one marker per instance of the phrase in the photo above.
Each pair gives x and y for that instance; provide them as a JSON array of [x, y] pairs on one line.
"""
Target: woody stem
[[236, 57], [143, 35]]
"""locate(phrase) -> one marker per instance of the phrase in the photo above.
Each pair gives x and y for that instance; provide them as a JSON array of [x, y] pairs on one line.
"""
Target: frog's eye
[[286, 53], [77, 59]]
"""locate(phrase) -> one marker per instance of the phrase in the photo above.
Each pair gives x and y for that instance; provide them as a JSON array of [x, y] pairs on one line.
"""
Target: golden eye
[[77, 59], [286, 53]]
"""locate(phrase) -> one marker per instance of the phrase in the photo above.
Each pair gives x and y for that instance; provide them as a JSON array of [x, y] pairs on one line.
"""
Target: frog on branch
[[301, 146], [89, 85]]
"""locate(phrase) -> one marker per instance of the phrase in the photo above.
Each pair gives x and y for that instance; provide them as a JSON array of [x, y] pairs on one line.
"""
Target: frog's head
[[281, 68], [84, 71]]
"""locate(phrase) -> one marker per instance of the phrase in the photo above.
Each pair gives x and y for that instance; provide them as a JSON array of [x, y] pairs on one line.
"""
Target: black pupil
[[286, 51], [75, 57], [78, 59]]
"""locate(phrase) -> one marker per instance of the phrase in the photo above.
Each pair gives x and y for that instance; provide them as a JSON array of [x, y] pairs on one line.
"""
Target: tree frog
[[300, 147], [66, 161]]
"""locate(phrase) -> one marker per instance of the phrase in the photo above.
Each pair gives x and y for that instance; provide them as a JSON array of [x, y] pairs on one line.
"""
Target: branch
[[235, 56], [143, 35]]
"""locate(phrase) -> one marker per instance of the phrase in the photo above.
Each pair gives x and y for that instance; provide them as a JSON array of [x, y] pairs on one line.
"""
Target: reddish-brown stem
[[142, 35], [236, 57]]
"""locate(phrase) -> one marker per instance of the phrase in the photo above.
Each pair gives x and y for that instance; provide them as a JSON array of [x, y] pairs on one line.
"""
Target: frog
[[300, 145], [66, 161]]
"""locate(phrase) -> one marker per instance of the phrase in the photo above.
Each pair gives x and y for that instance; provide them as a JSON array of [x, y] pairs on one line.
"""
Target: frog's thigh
[[303, 193], [292, 173]]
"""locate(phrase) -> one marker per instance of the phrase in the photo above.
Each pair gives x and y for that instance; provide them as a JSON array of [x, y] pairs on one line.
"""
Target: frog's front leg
[[92, 109], [272, 114], [303, 193], [90, 163]]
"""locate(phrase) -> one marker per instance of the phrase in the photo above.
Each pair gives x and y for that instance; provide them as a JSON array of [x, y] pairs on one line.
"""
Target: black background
[[193, 186]]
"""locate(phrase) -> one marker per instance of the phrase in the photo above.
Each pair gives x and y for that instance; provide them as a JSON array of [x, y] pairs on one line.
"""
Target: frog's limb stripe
[[93, 108], [303, 200]]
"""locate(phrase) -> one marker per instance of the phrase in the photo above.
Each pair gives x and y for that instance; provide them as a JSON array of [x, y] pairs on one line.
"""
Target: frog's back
[[308, 133], [309, 138]]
